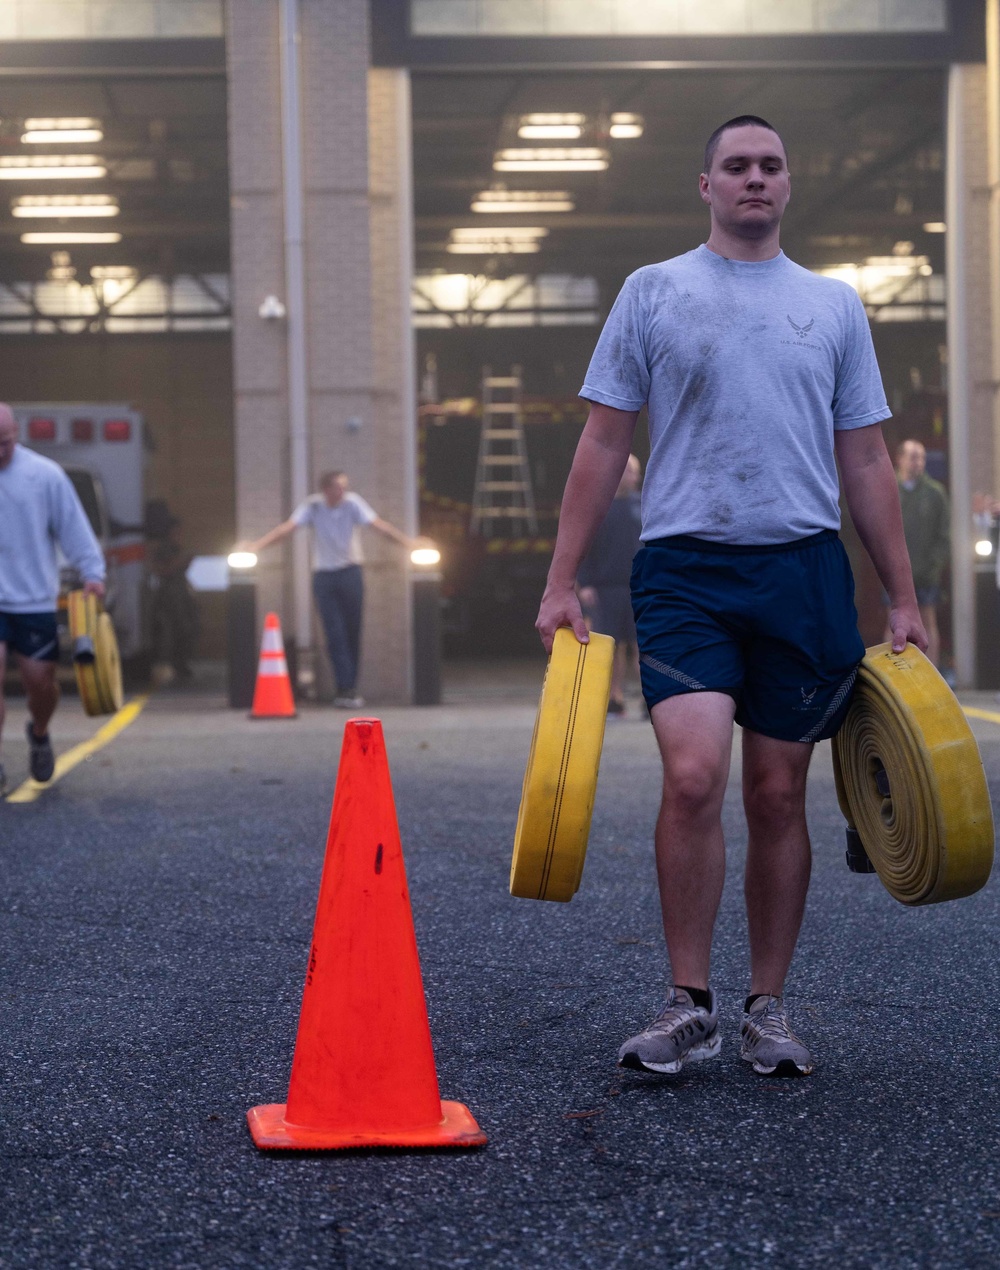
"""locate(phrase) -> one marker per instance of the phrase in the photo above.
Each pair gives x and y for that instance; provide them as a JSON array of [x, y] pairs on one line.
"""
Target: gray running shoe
[[769, 1043], [681, 1033], [41, 760]]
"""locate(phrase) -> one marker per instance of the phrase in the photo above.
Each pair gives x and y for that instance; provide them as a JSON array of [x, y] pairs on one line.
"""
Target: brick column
[[970, 391], [260, 388], [358, 234]]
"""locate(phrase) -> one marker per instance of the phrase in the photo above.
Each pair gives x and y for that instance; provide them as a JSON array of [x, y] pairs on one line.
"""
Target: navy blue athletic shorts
[[33, 635], [773, 627]]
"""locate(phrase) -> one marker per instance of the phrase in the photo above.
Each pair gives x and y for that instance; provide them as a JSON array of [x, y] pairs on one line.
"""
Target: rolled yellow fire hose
[[910, 780], [557, 799], [95, 655]]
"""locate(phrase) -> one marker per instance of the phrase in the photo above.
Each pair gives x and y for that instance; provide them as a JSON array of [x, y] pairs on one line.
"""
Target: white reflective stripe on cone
[[272, 642], [273, 668]]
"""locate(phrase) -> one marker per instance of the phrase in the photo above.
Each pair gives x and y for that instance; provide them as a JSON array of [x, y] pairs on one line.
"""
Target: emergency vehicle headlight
[[984, 547], [241, 560], [425, 557]]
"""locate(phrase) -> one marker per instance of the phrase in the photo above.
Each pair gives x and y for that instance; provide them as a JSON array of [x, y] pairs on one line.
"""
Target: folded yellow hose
[[910, 780], [95, 655], [557, 800]]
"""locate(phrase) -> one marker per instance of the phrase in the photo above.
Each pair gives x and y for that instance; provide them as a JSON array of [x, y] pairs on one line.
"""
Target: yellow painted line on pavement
[[32, 789], [989, 715]]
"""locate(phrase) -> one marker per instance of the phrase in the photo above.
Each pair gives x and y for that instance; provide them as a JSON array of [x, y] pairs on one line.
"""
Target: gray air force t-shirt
[[747, 368], [335, 543]]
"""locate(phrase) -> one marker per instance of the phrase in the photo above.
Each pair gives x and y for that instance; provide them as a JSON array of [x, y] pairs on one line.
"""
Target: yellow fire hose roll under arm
[[557, 799], [910, 780], [95, 655]]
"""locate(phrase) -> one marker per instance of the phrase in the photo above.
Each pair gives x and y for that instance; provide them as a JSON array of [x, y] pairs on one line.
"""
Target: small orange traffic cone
[[272, 694], [363, 1074]]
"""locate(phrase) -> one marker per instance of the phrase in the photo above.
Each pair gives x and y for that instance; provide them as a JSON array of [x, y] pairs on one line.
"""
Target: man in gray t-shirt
[[759, 378], [335, 514]]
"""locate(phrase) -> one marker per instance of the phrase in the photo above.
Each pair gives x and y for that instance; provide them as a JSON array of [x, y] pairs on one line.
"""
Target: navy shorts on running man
[[773, 627], [33, 635]]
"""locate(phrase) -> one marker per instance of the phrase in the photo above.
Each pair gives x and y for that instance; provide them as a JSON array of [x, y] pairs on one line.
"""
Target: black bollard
[[241, 631]]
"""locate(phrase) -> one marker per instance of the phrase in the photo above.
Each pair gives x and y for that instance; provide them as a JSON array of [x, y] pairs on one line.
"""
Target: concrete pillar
[[260, 388], [357, 253], [970, 395], [395, 403]]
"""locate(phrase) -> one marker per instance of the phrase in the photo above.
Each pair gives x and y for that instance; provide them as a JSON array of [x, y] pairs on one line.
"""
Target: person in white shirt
[[38, 509], [334, 515]]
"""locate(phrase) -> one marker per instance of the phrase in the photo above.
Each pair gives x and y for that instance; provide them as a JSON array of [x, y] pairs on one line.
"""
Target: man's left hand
[[906, 627], [94, 587]]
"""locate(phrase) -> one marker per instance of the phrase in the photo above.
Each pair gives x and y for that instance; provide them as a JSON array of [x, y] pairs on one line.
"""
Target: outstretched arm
[[390, 531], [272, 536], [872, 495], [597, 469]]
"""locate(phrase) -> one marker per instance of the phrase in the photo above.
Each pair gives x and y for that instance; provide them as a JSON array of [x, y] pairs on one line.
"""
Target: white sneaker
[[348, 703], [768, 1041], [681, 1033]]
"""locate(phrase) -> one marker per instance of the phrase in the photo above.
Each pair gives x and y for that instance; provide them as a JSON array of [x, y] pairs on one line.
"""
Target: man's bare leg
[[42, 689], [779, 856], [618, 674], [3, 676], [695, 735], [928, 614]]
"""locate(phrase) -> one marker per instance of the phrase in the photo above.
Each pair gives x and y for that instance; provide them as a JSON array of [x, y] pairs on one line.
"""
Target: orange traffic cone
[[272, 694], [363, 1074]]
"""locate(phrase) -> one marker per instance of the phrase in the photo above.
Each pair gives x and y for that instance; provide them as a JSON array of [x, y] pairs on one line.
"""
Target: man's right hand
[[560, 606]]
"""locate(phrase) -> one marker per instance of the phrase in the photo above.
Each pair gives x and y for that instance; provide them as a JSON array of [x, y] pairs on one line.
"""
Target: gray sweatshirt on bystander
[[39, 509]]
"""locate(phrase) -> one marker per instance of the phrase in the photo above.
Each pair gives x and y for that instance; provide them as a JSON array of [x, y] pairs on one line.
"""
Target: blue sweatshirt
[[39, 508]]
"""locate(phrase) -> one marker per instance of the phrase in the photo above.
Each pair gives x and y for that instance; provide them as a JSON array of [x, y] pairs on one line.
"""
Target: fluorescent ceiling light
[[494, 247], [475, 232], [551, 127], [511, 201], [50, 131], [625, 126], [50, 167], [70, 236], [549, 159], [935, 227], [489, 240], [63, 205], [113, 273], [36, 124], [549, 131]]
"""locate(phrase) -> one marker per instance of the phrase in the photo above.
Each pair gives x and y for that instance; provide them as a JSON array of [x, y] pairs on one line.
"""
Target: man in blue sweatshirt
[[38, 509]]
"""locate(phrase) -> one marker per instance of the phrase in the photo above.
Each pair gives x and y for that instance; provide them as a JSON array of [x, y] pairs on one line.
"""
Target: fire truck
[[102, 450]]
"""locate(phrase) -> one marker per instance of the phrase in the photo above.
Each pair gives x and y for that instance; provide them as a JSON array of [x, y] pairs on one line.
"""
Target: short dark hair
[[327, 479], [740, 121]]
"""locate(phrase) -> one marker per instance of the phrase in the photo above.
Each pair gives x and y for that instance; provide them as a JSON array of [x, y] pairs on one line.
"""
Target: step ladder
[[503, 504]]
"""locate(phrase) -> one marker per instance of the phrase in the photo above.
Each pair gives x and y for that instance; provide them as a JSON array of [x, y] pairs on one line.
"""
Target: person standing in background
[[334, 515], [605, 577], [927, 528]]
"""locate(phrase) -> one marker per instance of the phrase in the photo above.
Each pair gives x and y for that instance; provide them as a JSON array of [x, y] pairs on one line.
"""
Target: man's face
[[912, 460], [333, 491], [8, 437], [749, 186]]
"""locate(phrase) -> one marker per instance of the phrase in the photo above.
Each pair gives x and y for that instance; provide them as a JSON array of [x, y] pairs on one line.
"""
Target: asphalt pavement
[[157, 904]]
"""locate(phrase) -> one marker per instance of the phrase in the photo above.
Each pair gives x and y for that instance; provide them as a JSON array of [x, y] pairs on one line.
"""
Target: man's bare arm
[[872, 495], [272, 536], [597, 469]]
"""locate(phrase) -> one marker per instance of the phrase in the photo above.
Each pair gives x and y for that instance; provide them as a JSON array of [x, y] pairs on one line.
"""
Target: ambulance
[[101, 447]]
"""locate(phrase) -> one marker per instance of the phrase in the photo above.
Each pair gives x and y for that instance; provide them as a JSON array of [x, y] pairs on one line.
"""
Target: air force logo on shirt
[[801, 330]]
